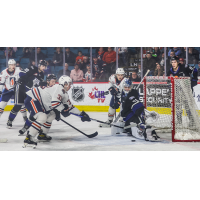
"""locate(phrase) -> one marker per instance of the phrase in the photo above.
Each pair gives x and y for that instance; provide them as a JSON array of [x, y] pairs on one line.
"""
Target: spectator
[[67, 71], [109, 58], [169, 61], [134, 77], [48, 69], [181, 62], [26, 53], [58, 57], [123, 53], [40, 55], [70, 57], [177, 51], [159, 70], [156, 54], [100, 53], [84, 64], [88, 74], [79, 58], [162, 61], [76, 74], [192, 54], [11, 53], [199, 68], [32, 63], [149, 63], [98, 69], [18, 64]]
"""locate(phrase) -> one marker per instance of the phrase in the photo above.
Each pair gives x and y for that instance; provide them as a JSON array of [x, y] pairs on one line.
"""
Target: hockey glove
[[57, 114], [65, 113], [112, 91], [85, 117]]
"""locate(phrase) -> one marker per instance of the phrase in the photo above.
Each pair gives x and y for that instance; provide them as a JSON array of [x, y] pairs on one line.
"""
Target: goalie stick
[[119, 115], [125, 127], [89, 136]]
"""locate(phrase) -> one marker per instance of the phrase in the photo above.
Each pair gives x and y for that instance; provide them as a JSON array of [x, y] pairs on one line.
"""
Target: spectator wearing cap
[[76, 74], [149, 64], [98, 69], [67, 71], [79, 58], [182, 62], [83, 64], [177, 51], [58, 57], [134, 77], [70, 57], [109, 58], [159, 70]]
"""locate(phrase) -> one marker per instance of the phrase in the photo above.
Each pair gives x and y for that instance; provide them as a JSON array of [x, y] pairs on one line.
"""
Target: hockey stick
[[119, 115], [89, 136], [105, 122]]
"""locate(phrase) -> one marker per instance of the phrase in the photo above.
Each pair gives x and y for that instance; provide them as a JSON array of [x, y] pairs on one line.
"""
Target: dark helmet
[[51, 76], [42, 62]]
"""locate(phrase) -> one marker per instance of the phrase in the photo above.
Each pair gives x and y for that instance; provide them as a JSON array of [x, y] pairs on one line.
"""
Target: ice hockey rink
[[65, 138]]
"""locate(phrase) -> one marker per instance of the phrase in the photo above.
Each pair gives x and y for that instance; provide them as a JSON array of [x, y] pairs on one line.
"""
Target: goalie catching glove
[[85, 117]]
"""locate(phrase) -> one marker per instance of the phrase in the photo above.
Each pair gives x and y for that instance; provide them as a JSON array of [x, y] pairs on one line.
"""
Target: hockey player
[[51, 81], [56, 99], [8, 80], [133, 112], [30, 77], [114, 88], [188, 71]]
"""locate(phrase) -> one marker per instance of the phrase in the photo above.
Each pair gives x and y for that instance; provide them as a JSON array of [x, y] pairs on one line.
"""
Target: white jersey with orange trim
[[113, 82], [9, 79], [52, 98]]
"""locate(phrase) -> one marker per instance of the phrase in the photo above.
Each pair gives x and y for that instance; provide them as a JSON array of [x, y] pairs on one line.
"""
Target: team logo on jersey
[[78, 93], [36, 82], [12, 81]]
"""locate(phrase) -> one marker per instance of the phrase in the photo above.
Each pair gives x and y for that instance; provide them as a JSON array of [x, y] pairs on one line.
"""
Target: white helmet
[[11, 62], [64, 79], [120, 71]]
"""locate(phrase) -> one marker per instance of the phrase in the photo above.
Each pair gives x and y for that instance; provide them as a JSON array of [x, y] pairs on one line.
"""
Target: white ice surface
[[65, 138]]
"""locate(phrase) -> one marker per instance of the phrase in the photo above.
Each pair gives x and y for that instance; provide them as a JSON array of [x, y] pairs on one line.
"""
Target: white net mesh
[[186, 114]]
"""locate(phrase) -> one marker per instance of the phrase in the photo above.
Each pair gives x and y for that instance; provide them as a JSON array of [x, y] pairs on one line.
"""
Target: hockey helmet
[[42, 62], [64, 79], [120, 71], [11, 62], [51, 76]]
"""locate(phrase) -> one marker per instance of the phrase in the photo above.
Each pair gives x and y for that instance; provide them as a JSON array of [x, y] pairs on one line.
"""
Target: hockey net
[[172, 99]]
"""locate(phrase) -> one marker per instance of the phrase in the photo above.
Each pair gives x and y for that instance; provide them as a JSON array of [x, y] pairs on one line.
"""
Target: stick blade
[[93, 135]]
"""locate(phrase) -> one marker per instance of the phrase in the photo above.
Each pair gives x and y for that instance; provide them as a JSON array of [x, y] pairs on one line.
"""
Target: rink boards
[[91, 97]]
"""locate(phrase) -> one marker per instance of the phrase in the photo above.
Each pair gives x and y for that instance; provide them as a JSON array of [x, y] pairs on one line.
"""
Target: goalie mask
[[127, 85]]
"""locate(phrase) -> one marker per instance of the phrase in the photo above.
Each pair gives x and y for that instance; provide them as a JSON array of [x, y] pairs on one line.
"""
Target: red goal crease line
[[152, 83]]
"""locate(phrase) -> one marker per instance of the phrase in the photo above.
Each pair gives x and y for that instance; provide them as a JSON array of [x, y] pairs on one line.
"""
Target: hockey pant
[[113, 106], [36, 112], [6, 96]]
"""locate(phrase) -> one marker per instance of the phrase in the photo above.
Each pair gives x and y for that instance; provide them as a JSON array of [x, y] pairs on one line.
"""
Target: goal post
[[172, 99]]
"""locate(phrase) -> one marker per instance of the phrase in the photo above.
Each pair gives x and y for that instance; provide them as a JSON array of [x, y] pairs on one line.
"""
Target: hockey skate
[[9, 124], [29, 142], [22, 131], [106, 125], [42, 137]]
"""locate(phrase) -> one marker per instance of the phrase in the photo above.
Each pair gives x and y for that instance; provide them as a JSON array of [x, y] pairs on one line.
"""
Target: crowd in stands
[[77, 60]]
